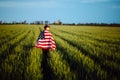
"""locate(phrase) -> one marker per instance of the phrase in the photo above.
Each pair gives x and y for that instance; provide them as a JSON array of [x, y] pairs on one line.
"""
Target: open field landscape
[[82, 53]]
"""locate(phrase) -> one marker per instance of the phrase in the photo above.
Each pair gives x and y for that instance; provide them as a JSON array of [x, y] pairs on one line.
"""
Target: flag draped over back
[[45, 41]]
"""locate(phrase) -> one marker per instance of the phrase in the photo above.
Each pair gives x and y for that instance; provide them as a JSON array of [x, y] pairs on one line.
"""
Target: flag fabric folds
[[45, 41]]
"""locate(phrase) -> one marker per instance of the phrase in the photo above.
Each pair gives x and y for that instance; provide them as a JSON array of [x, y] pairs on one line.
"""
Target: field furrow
[[8, 48], [83, 65], [60, 67], [92, 45], [113, 69]]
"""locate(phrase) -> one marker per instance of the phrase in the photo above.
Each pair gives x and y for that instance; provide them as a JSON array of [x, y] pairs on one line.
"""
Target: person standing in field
[[45, 40], [46, 43]]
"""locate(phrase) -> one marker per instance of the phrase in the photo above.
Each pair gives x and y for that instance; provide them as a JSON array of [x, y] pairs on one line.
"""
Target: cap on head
[[46, 26]]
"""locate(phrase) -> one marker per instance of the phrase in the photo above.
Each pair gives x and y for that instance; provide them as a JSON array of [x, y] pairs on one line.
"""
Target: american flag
[[45, 41]]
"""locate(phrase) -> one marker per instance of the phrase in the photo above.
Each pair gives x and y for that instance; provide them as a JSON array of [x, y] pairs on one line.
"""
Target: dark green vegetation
[[83, 53]]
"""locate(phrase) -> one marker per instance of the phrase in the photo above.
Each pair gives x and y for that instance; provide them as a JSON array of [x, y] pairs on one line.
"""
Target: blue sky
[[68, 11]]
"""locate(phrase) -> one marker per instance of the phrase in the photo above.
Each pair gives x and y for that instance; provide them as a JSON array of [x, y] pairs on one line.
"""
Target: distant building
[[46, 22], [58, 22]]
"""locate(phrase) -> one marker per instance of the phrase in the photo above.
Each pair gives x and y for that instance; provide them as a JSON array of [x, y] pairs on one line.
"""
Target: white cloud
[[39, 4]]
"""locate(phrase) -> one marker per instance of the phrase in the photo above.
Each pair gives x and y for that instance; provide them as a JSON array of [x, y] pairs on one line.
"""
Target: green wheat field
[[83, 53]]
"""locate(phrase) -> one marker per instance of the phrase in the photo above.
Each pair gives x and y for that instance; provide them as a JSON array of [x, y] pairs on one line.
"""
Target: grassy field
[[83, 53]]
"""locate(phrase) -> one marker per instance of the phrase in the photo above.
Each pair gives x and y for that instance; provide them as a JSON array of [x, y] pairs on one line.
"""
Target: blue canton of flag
[[41, 36]]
